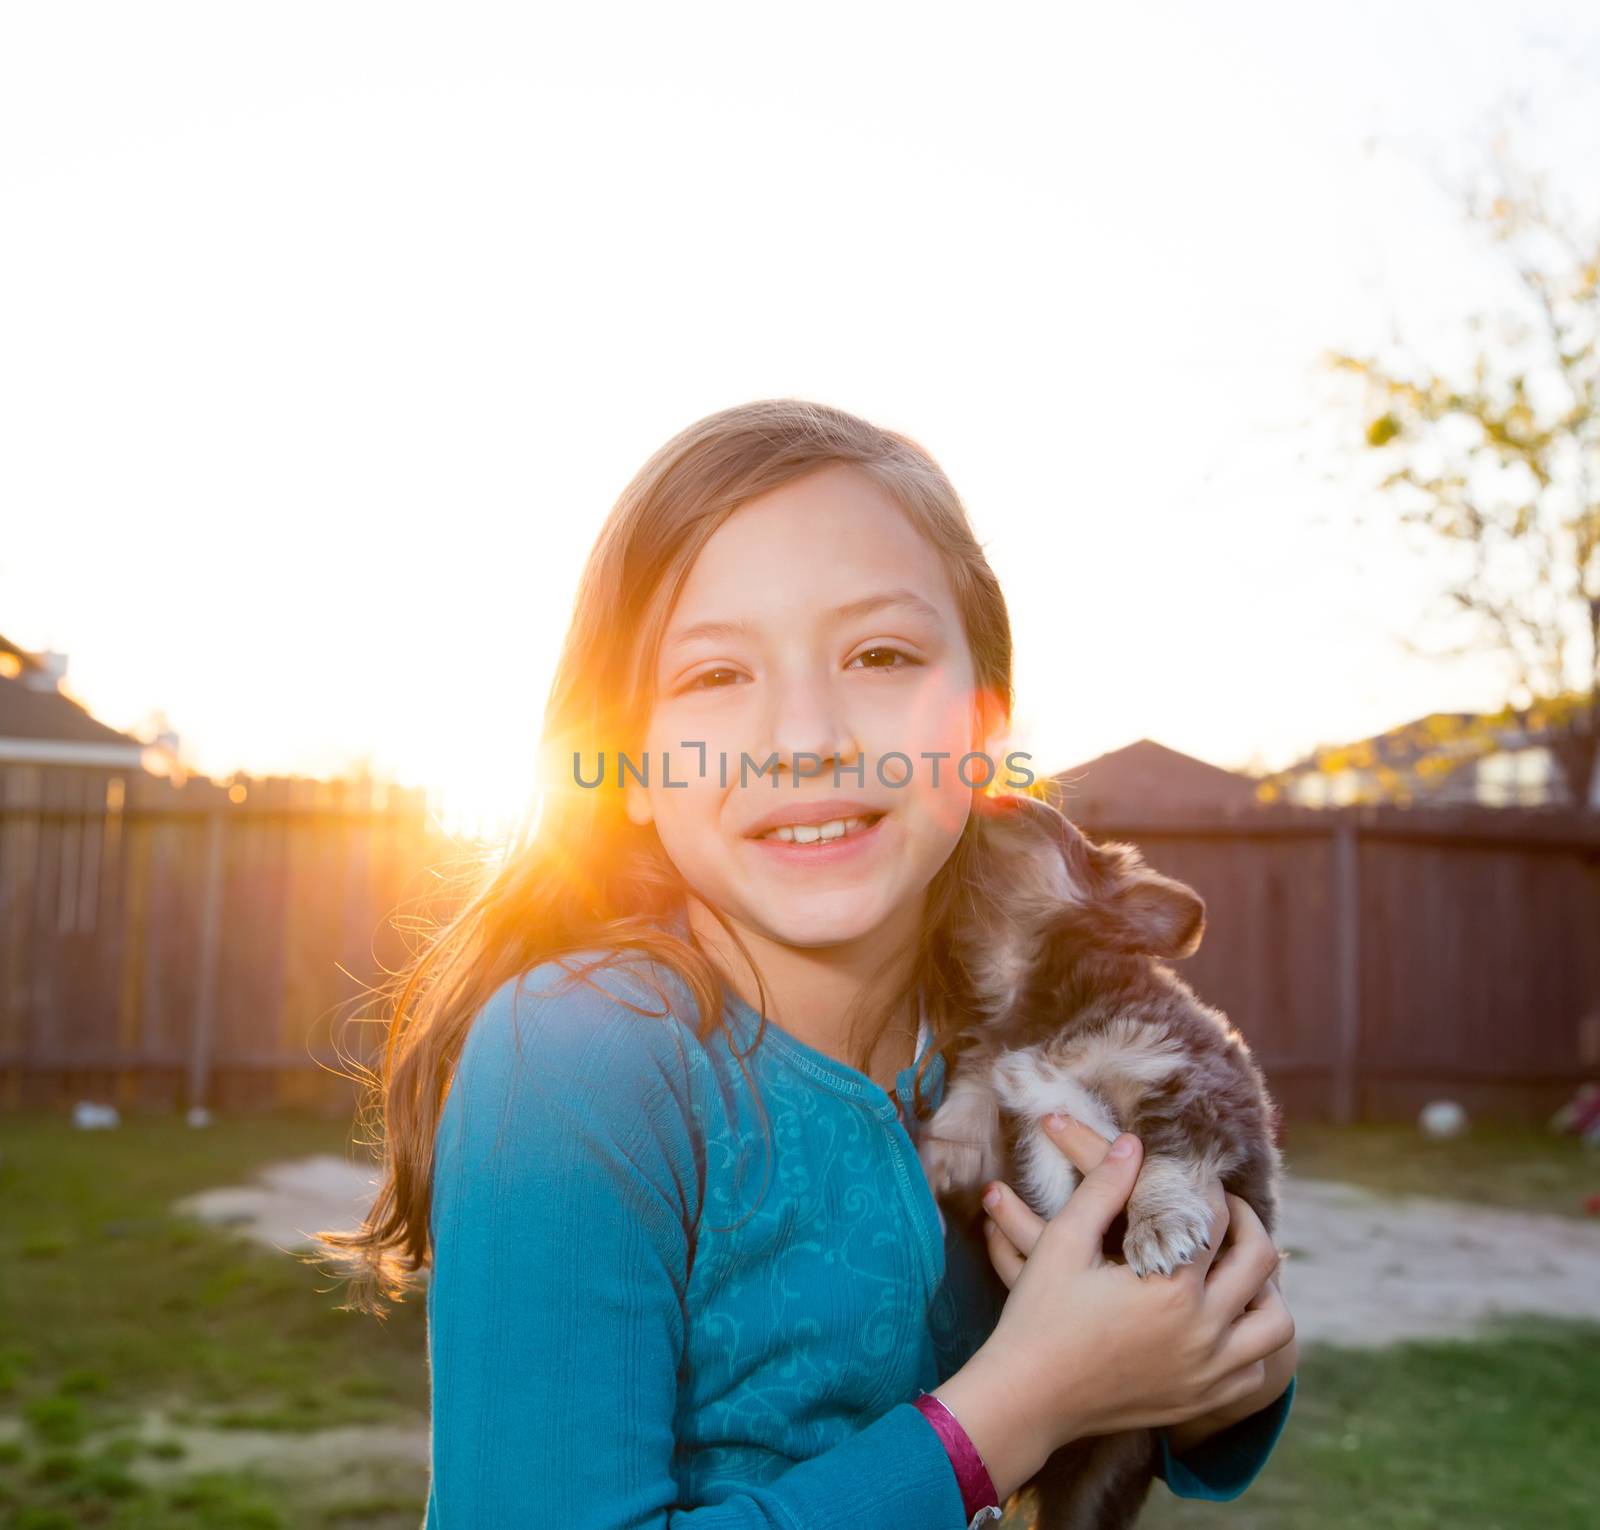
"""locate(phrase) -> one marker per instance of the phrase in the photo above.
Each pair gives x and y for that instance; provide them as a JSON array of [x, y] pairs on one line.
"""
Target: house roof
[[1146, 777], [1432, 735], [35, 716]]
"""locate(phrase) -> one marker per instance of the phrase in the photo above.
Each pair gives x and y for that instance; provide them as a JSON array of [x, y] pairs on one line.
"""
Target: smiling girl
[[651, 1100]]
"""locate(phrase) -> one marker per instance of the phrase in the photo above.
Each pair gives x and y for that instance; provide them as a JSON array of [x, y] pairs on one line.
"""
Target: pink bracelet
[[979, 1501]]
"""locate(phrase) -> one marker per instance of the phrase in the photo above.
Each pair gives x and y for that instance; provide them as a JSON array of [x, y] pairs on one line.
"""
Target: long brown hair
[[580, 875]]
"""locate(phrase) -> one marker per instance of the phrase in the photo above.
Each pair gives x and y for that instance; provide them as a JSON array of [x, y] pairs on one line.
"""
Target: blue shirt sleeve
[[567, 1189], [1221, 1468]]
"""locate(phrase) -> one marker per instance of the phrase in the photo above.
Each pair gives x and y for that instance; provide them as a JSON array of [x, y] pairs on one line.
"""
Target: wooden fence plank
[[181, 945]]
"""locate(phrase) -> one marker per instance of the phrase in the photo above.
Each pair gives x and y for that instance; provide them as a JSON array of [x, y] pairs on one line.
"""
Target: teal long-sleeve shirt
[[642, 1312]]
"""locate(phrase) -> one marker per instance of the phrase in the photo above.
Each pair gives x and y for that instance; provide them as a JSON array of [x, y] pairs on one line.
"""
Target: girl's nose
[[809, 732]]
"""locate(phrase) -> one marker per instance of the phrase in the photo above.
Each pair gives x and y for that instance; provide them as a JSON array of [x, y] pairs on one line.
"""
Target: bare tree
[[1496, 460]]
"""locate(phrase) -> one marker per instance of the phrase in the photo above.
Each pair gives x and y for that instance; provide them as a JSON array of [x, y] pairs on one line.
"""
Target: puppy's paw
[[1163, 1235], [954, 1165], [959, 1148]]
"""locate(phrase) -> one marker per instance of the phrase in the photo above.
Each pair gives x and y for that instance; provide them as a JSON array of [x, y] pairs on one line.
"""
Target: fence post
[[205, 1003], [1347, 965]]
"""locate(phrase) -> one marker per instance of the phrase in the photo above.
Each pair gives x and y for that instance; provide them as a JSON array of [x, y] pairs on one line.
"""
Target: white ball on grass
[[1442, 1119]]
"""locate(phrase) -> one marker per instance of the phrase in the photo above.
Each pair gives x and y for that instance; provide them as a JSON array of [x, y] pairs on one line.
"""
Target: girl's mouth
[[820, 833], [819, 844]]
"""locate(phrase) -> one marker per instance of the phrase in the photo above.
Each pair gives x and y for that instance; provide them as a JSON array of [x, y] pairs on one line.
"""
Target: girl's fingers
[[1083, 1145], [1263, 1330], [1237, 1385], [1013, 1216], [1003, 1254], [1246, 1264]]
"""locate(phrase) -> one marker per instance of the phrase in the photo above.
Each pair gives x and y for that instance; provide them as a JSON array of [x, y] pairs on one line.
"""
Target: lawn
[[132, 1341], [1519, 1168], [1497, 1433], [1494, 1434], [129, 1335]]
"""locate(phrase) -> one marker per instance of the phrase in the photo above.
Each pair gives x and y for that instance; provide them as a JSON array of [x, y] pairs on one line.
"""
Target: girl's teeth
[[812, 833]]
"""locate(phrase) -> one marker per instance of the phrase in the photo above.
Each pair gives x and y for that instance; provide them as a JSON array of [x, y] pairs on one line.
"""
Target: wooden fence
[[195, 949], [202, 950]]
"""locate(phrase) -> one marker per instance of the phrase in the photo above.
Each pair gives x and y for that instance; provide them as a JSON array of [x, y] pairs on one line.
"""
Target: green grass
[[1519, 1168], [1491, 1434], [112, 1305]]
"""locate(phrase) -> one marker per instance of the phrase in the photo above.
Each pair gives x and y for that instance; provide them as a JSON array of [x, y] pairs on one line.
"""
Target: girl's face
[[817, 627]]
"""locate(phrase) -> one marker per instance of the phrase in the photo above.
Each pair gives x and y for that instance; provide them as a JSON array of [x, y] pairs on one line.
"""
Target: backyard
[[157, 1370]]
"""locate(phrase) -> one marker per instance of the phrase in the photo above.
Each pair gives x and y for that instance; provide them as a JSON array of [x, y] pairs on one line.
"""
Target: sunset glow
[[331, 362]]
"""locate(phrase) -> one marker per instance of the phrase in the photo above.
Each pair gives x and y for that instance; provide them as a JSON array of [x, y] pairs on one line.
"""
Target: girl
[[650, 1100]]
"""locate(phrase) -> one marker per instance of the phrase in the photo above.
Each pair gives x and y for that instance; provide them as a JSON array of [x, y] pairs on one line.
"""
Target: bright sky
[[328, 335]]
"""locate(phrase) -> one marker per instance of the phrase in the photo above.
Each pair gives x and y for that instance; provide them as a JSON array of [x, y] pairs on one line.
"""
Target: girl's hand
[[1013, 1227], [1084, 1346]]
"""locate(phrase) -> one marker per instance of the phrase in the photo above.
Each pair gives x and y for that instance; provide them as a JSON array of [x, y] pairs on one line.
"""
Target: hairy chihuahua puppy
[[1059, 950]]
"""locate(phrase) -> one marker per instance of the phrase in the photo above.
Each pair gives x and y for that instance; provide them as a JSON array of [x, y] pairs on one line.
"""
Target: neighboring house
[[1146, 778], [1446, 759], [43, 731]]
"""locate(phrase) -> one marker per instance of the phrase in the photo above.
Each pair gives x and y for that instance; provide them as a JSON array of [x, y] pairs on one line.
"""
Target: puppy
[[1059, 952]]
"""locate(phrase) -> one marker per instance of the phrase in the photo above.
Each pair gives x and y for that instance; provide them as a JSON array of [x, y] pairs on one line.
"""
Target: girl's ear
[[636, 800], [989, 721]]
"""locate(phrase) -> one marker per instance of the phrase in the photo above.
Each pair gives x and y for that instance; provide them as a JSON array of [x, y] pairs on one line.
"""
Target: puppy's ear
[[1146, 911], [1108, 898], [1124, 905]]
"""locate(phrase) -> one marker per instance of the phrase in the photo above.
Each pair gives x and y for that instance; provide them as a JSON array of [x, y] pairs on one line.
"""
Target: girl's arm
[[565, 1190]]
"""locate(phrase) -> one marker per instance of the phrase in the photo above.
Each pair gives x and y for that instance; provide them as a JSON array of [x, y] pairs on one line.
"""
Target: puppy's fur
[[1059, 953]]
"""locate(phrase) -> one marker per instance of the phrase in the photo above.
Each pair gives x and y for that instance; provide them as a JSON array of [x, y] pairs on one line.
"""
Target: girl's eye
[[883, 657], [709, 681]]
